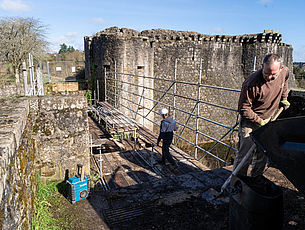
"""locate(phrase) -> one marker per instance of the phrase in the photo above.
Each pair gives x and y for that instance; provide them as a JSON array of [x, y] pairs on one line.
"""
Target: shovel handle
[[246, 157], [277, 114], [237, 169]]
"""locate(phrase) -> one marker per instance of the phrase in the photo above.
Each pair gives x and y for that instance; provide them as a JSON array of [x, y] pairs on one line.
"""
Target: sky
[[68, 21]]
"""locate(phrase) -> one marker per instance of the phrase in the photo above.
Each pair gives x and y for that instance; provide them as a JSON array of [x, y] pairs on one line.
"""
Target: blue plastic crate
[[77, 190]]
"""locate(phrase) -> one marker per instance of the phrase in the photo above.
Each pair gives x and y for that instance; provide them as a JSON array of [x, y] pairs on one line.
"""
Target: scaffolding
[[33, 85], [134, 101]]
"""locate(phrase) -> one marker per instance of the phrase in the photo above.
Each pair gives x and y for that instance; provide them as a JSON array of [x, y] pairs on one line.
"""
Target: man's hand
[[262, 123], [285, 104]]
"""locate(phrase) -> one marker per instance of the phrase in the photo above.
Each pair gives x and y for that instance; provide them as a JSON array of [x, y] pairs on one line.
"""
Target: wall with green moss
[[39, 135], [17, 154], [61, 129]]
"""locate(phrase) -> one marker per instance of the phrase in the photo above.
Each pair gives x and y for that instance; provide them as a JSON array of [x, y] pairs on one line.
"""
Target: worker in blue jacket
[[167, 128]]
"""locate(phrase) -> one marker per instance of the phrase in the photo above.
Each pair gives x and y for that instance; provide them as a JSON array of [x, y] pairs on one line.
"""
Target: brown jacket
[[259, 99]]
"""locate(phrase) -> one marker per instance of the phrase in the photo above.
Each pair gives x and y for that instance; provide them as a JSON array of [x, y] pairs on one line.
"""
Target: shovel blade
[[213, 197]]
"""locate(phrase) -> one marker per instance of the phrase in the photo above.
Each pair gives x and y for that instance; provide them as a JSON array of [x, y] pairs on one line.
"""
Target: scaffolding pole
[[143, 120], [105, 87], [205, 151], [25, 79], [133, 81], [184, 82], [48, 69], [175, 88], [98, 90], [178, 109], [115, 82], [127, 93], [198, 110], [180, 96]]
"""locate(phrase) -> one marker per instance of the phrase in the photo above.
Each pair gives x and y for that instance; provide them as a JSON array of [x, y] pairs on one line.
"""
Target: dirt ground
[[194, 213], [199, 214]]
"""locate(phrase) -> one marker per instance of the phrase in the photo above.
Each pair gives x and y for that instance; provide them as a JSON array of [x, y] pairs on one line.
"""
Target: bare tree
[[19, 37]]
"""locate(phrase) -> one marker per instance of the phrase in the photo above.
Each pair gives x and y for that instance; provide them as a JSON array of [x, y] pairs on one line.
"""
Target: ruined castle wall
[[226, 61], [123, 51], [218, 59], [45, 135]]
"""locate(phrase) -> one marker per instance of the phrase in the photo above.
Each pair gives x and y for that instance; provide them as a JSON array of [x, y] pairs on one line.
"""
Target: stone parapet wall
[[11, 90], [17, 183], [61, 129], [44, 135]]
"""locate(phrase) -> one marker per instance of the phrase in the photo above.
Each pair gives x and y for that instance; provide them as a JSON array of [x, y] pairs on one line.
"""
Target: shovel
[[211, 194]]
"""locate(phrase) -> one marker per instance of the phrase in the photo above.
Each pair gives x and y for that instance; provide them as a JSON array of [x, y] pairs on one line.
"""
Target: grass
[[7, 79], [45, 195], [45, 79], [53, 211]]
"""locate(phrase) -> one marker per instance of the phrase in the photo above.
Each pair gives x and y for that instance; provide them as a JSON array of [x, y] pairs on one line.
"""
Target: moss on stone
[[47, 132]]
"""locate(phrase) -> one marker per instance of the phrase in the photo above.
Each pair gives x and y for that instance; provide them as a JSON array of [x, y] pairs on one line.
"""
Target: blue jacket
[[167, 128]]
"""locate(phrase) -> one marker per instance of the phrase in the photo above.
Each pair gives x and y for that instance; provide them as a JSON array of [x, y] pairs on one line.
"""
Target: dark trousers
[[165, 152]]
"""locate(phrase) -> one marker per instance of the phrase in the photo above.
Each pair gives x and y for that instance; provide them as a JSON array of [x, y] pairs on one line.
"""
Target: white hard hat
[[163, 111]]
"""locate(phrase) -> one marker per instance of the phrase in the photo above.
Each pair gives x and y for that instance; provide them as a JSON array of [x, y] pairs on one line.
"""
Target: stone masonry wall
[[45, 135], [11, 90], [122, 51], [226, 61], [61, 129], [17, 151]]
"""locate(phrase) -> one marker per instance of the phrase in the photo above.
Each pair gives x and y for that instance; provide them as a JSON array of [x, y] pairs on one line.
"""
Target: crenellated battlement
[[160, 35]]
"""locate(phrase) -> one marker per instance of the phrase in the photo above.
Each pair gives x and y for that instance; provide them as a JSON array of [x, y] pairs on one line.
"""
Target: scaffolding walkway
[[131, 161], [117, 125]]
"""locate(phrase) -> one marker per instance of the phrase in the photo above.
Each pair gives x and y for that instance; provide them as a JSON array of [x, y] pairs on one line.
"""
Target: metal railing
[[120, 97]]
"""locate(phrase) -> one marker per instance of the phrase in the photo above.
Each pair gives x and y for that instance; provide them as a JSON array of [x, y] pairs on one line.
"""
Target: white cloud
[[14, 5], [265, 2], [217, 30], [99, 21], [70, 35]]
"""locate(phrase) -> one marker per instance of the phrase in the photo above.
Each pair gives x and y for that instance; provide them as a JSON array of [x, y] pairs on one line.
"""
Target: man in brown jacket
[[262, 93]]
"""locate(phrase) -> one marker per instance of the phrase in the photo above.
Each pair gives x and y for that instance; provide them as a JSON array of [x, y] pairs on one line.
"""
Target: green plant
[[42, 203], [88, 95], [7, 79]]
